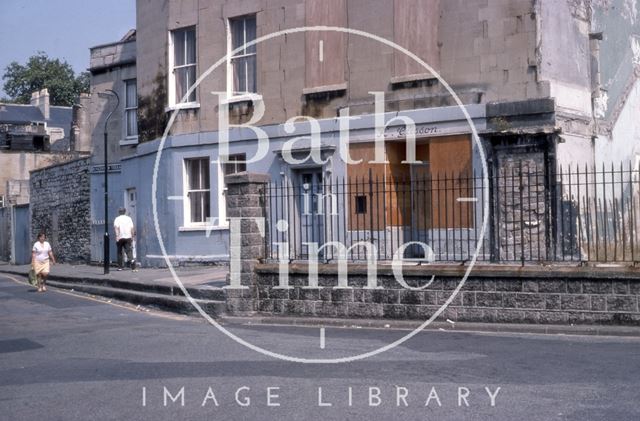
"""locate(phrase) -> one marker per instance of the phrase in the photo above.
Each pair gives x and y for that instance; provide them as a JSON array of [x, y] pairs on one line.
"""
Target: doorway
[[310, 187]]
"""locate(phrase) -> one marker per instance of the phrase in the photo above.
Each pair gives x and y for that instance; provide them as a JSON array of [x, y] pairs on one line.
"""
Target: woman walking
[[40, 256]]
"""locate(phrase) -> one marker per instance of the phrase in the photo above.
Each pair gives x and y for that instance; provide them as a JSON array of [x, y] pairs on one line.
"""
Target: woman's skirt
[[41, 267]]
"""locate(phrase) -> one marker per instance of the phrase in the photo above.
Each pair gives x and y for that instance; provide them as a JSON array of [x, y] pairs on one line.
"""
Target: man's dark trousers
[[125, 243]]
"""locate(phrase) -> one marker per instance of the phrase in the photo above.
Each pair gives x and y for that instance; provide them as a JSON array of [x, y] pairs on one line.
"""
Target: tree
[[41, 72]]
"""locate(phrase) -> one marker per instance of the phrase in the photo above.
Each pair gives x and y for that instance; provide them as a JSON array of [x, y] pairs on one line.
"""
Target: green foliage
[[82, 83], [41, 72]]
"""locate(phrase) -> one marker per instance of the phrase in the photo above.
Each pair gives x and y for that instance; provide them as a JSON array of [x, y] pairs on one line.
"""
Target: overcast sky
[[63, 29]]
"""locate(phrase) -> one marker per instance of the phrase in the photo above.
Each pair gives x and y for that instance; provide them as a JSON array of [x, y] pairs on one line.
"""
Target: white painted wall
[[575, 150], [624, 144]]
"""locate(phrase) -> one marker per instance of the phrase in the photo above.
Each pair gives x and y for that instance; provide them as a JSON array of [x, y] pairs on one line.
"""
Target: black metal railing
[[533, 215]]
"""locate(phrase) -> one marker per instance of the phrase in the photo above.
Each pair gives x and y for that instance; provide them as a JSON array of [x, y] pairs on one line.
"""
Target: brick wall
[[60, 208]]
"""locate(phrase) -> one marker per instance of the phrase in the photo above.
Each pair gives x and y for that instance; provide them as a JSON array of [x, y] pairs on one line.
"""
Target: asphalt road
[[65, 357]]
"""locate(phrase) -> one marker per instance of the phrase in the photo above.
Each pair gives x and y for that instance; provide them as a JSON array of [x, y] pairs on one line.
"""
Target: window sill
[[195, 228], [182, 106], [325, 89], [129, 141], [243, 98], [410, 80]]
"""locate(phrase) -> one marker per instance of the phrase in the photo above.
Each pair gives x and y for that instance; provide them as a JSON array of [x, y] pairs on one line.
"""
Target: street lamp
[[106, 256]]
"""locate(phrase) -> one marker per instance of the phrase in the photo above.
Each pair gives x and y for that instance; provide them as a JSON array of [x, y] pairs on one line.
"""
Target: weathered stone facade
[[522, 209], [487, 51], [245, 199], [60, 208]]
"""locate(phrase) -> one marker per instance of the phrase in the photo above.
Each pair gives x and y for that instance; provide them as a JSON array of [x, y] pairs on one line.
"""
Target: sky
[[63, 29]]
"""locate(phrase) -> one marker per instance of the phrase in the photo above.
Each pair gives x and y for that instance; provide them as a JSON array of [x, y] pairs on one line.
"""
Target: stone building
[[545, 83], [33, 136]]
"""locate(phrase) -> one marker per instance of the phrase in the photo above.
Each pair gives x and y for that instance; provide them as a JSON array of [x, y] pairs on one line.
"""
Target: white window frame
[[173, 100], [129, 139], [231, 95], [188, 223], [2, 204]]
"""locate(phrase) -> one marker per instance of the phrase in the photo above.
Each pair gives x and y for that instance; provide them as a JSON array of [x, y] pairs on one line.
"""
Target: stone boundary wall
[[60, 207], [492, 293], [501, 299]]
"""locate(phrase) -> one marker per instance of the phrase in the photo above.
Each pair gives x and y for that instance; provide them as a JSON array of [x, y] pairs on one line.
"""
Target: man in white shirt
[[125, 232]]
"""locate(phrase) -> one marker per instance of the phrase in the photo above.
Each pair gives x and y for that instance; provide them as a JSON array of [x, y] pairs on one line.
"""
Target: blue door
[[311, 218]]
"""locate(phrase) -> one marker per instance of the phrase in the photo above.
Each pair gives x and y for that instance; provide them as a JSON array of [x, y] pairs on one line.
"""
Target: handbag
[[33, 279]]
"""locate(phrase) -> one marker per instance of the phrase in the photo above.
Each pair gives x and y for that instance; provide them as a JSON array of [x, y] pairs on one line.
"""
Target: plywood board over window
[[415, 27], [451, 168], [424, 194], [363, 198], [325, 51], [391, 189]]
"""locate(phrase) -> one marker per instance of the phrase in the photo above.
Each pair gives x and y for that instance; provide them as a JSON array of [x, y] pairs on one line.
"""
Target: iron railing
[[533, 215]]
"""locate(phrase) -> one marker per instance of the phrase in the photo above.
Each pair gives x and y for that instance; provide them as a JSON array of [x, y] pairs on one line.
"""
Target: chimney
[[35, 98], [44, 103], [40, 99], [80, 139]]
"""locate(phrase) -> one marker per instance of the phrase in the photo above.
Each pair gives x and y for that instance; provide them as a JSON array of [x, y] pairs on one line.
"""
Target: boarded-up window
[[390, 191], [325, 50], [359, 187], [424, 195], [451, 180], [415, 26]]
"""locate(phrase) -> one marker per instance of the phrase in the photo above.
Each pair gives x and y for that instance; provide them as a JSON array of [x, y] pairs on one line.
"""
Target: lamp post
[[106, 256]]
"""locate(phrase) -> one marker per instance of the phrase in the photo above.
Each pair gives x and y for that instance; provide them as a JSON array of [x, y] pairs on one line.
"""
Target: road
[[68, 357]]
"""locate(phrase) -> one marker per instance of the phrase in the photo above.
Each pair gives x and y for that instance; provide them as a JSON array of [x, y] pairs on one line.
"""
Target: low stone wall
[[580, 295], [59, 203], [493, 293]]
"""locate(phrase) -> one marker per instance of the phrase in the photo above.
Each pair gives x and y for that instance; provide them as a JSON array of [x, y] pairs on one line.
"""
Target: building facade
[[535, 106], [113, 70], [32, 137]]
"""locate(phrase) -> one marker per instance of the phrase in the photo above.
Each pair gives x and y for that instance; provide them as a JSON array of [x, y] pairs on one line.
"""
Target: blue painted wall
[[185, 245]]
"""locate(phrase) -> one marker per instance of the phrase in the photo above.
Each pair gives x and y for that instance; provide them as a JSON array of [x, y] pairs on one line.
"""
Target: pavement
[[150, 287], [153, 288], [199, 276], [69, 357]]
